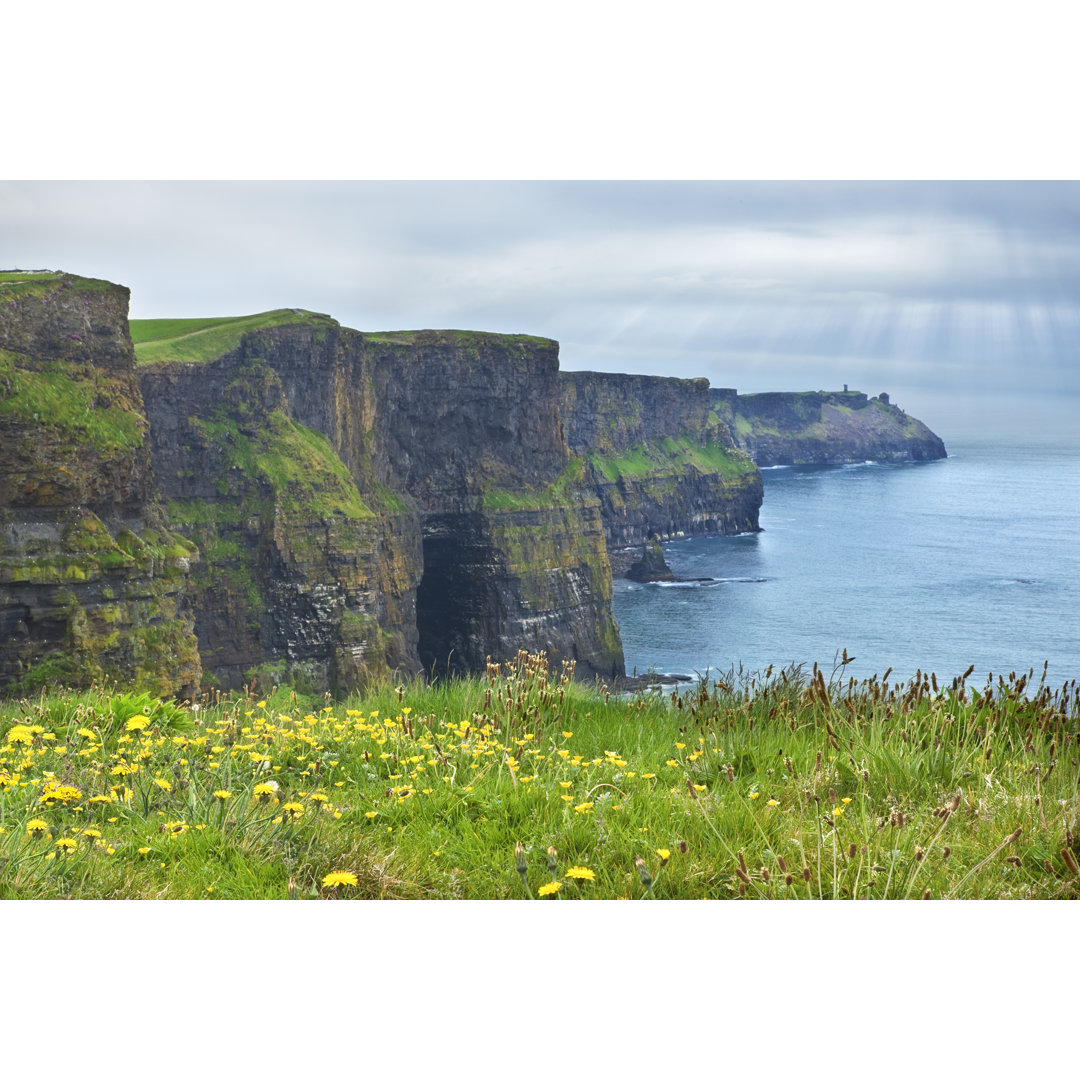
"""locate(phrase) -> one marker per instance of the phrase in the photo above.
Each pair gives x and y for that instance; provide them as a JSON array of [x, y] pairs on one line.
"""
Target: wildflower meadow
[[526, 784]]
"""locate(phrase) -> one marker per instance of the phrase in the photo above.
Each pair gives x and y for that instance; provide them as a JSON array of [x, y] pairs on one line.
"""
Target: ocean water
[[931, 566]]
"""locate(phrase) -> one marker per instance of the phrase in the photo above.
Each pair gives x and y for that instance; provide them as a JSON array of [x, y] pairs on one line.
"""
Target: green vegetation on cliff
[[565, 488], [28, 284], [71, 403], [672, 456], [300, 466], [466, 339], [199, 340]]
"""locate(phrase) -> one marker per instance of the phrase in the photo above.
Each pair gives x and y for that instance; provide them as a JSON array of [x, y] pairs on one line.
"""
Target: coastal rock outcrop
[[92, 580], [652, 566], [823, 428]]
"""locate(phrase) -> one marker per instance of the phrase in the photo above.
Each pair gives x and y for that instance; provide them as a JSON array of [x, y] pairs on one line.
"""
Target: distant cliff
[[823, 428], [660, 461]]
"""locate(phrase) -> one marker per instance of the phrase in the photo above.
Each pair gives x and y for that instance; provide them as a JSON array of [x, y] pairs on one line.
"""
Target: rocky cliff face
[[291, 582], [658, 458], [820, 428], [513, 544], [91, 578], [454, 533]]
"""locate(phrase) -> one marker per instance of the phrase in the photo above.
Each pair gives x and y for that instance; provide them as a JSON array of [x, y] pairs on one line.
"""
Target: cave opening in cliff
[[455, 602]]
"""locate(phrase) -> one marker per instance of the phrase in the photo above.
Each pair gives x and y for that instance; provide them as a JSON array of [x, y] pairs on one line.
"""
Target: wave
[[708, 583]]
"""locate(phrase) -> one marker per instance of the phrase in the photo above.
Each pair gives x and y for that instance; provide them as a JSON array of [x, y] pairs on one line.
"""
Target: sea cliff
[[279, 498], [659, 459], [823, 428], [92, 578], [457, 531]]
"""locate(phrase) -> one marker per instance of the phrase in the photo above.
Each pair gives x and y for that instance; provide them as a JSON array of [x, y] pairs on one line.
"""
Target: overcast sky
[[962, 300]]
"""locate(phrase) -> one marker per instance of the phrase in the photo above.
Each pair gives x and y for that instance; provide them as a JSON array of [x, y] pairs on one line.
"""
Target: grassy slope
[[199, 340], [67, 401], [785, 788], [672, 456]]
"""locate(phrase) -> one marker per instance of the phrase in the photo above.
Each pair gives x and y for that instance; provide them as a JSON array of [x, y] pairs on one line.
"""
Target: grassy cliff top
[[28, 283], [19, 277], [199, 340], [454, 337]]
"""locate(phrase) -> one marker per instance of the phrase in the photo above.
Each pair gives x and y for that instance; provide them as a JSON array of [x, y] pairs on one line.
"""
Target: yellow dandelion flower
[[680, 746], [144, 851], [371, 814], [567, 734], [663, 853], [755, 795], [648, 776], [64, 793], [163, 784], [699, 787], [66, 844], [339, 877], [837, 811], [846, 799], [672, 762], [550, 889], [318, 797], [92, 833], [566, 783], [773, 802], [222, 794], [137, 722], [583, 808], [35, 826], [580, 873], [292, 809]]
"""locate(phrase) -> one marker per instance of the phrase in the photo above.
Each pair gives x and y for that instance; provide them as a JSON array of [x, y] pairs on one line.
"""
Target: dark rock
[[92, 581], [652, 565], [658, 458]]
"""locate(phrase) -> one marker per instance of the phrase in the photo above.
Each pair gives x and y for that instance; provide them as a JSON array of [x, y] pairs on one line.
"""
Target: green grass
[[300, 465], [75, 403], [561, 490], [20, 277], [780, 786], [671, 456], [199, 340], [470, 339]]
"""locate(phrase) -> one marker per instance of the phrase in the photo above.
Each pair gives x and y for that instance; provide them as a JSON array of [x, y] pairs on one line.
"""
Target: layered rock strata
[[461, 535], [658, 458], [92, 580]]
